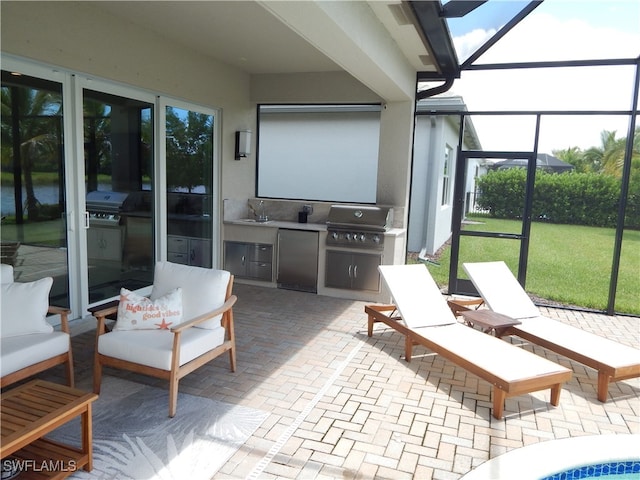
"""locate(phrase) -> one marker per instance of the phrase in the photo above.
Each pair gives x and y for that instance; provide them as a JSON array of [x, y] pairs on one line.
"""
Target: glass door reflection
[[189, 147], [34, 232], [118, 149]]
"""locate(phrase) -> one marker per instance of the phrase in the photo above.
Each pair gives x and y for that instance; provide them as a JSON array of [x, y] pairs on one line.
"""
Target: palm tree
[[609, 156], [575, 157], [31, 137]]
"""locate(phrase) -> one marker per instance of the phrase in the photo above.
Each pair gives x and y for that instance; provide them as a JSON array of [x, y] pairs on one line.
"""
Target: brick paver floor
[[343, 405]]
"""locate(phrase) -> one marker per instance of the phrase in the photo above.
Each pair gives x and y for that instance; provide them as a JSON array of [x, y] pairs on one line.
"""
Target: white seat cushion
[[22, 351], [153, 347], [203, 289], [6, 273]]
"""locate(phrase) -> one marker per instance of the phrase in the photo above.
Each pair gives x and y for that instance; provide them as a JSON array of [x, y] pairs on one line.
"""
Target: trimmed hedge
[[569, 198]]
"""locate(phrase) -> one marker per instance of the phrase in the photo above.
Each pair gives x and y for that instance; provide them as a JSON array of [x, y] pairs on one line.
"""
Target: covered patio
[[343, 405]]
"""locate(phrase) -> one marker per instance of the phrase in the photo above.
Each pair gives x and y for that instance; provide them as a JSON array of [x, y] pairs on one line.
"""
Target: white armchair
[[28, 343], [164, 337]]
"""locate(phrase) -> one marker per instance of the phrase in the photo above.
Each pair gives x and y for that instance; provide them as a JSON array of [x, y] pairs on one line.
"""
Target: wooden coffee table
[[29, 412], [489, 321]]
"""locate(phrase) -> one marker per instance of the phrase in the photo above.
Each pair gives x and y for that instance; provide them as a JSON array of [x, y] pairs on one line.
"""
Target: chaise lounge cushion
[[25, 350], [203, 289], [24, 307], [412, 306], [153, 347]]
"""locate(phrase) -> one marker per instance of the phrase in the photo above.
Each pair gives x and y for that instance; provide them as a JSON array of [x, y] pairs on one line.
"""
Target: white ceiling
[[249, 37]]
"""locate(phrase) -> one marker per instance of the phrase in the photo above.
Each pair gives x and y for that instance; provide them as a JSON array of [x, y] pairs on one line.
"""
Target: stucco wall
[[79, 37], [430, 222]]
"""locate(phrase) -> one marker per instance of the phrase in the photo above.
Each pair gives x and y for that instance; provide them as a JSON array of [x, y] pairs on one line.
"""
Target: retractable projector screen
[[319, 152]]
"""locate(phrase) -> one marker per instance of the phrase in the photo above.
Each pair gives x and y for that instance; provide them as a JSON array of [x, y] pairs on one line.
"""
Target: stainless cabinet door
[[365, 275], [339, 269], [235, 258]]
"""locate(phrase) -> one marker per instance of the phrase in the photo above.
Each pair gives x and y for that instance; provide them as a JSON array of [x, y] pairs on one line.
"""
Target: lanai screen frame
[[447, 78]]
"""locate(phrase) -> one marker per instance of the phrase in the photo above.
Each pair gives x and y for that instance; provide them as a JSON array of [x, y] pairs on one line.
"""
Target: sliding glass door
[[34, 231], [100, 181], [118, 164], [190, 185]]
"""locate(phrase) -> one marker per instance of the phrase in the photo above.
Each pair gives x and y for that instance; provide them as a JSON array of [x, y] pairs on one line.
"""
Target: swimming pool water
[[614, 470]]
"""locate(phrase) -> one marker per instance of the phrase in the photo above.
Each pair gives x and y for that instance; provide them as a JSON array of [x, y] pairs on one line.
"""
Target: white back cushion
[[500, 289], [6, 273], [416, 295], [24, 307], [203, 289], [136, 312]]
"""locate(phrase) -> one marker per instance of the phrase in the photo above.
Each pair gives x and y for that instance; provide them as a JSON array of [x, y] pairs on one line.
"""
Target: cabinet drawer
[[178, 244], [259, 270], [174, 257], [260, 253]]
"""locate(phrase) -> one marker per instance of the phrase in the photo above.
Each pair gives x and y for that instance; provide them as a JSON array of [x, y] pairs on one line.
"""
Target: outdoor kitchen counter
[[248, 222], [315, 227]]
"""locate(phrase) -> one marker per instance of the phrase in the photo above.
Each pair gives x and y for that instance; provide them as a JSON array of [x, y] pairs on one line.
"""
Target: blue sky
[[556, 30], [623, 15]]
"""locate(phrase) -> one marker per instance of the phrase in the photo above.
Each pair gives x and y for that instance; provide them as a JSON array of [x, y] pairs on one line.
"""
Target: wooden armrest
[[64, 316], [59, 310], [105, 312], [207, 316], [458, 305]]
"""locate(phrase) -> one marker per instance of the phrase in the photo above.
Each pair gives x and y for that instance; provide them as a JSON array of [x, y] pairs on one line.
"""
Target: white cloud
[[543, 37]]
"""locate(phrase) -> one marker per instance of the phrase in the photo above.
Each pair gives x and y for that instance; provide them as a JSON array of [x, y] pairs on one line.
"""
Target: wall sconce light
[[243, 144]]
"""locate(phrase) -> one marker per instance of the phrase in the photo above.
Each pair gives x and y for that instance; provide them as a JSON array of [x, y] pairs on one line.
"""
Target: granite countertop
[[315, 227], [249, 222]]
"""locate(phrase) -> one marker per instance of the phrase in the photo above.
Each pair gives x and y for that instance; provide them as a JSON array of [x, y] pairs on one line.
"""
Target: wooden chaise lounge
[[425, 319], [503, 294]]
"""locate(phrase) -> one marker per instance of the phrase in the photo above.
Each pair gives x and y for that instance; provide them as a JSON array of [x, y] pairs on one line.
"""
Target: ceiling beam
[[352, 36]]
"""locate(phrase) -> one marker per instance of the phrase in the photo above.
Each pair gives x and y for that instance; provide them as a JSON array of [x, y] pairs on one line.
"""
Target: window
[[446, 174], [327, 152]]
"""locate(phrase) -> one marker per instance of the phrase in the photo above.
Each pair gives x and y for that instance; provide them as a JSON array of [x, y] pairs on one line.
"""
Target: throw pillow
[[136, 312], [24, 308], [203, 289]]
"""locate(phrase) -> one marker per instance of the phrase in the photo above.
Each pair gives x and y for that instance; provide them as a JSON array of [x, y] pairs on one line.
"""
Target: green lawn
[[569, 264]]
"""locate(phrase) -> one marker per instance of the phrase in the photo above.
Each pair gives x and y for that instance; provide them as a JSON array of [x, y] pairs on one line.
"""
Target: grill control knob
[[376, 239], [363, 237], [347, 237], [334, 235]]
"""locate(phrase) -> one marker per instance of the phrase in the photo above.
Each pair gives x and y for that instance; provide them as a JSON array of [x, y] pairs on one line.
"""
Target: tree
[[575, 157], [189, 148], [608, 157], [31, 129]]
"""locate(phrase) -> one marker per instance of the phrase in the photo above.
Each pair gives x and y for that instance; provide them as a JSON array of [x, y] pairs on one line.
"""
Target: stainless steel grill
[[358, 226], [104, 207]]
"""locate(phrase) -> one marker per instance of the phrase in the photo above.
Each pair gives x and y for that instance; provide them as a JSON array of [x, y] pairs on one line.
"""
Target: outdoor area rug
[[134, 438]]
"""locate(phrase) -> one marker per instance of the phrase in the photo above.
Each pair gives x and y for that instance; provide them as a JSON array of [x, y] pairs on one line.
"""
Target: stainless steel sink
[[253, 220]]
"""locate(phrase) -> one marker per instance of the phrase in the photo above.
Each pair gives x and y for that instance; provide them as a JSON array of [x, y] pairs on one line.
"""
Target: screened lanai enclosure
[[502, 90], [541, 79]]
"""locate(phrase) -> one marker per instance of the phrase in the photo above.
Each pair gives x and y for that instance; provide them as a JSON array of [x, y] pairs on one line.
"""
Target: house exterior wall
[[430, 221], [98, 44]]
